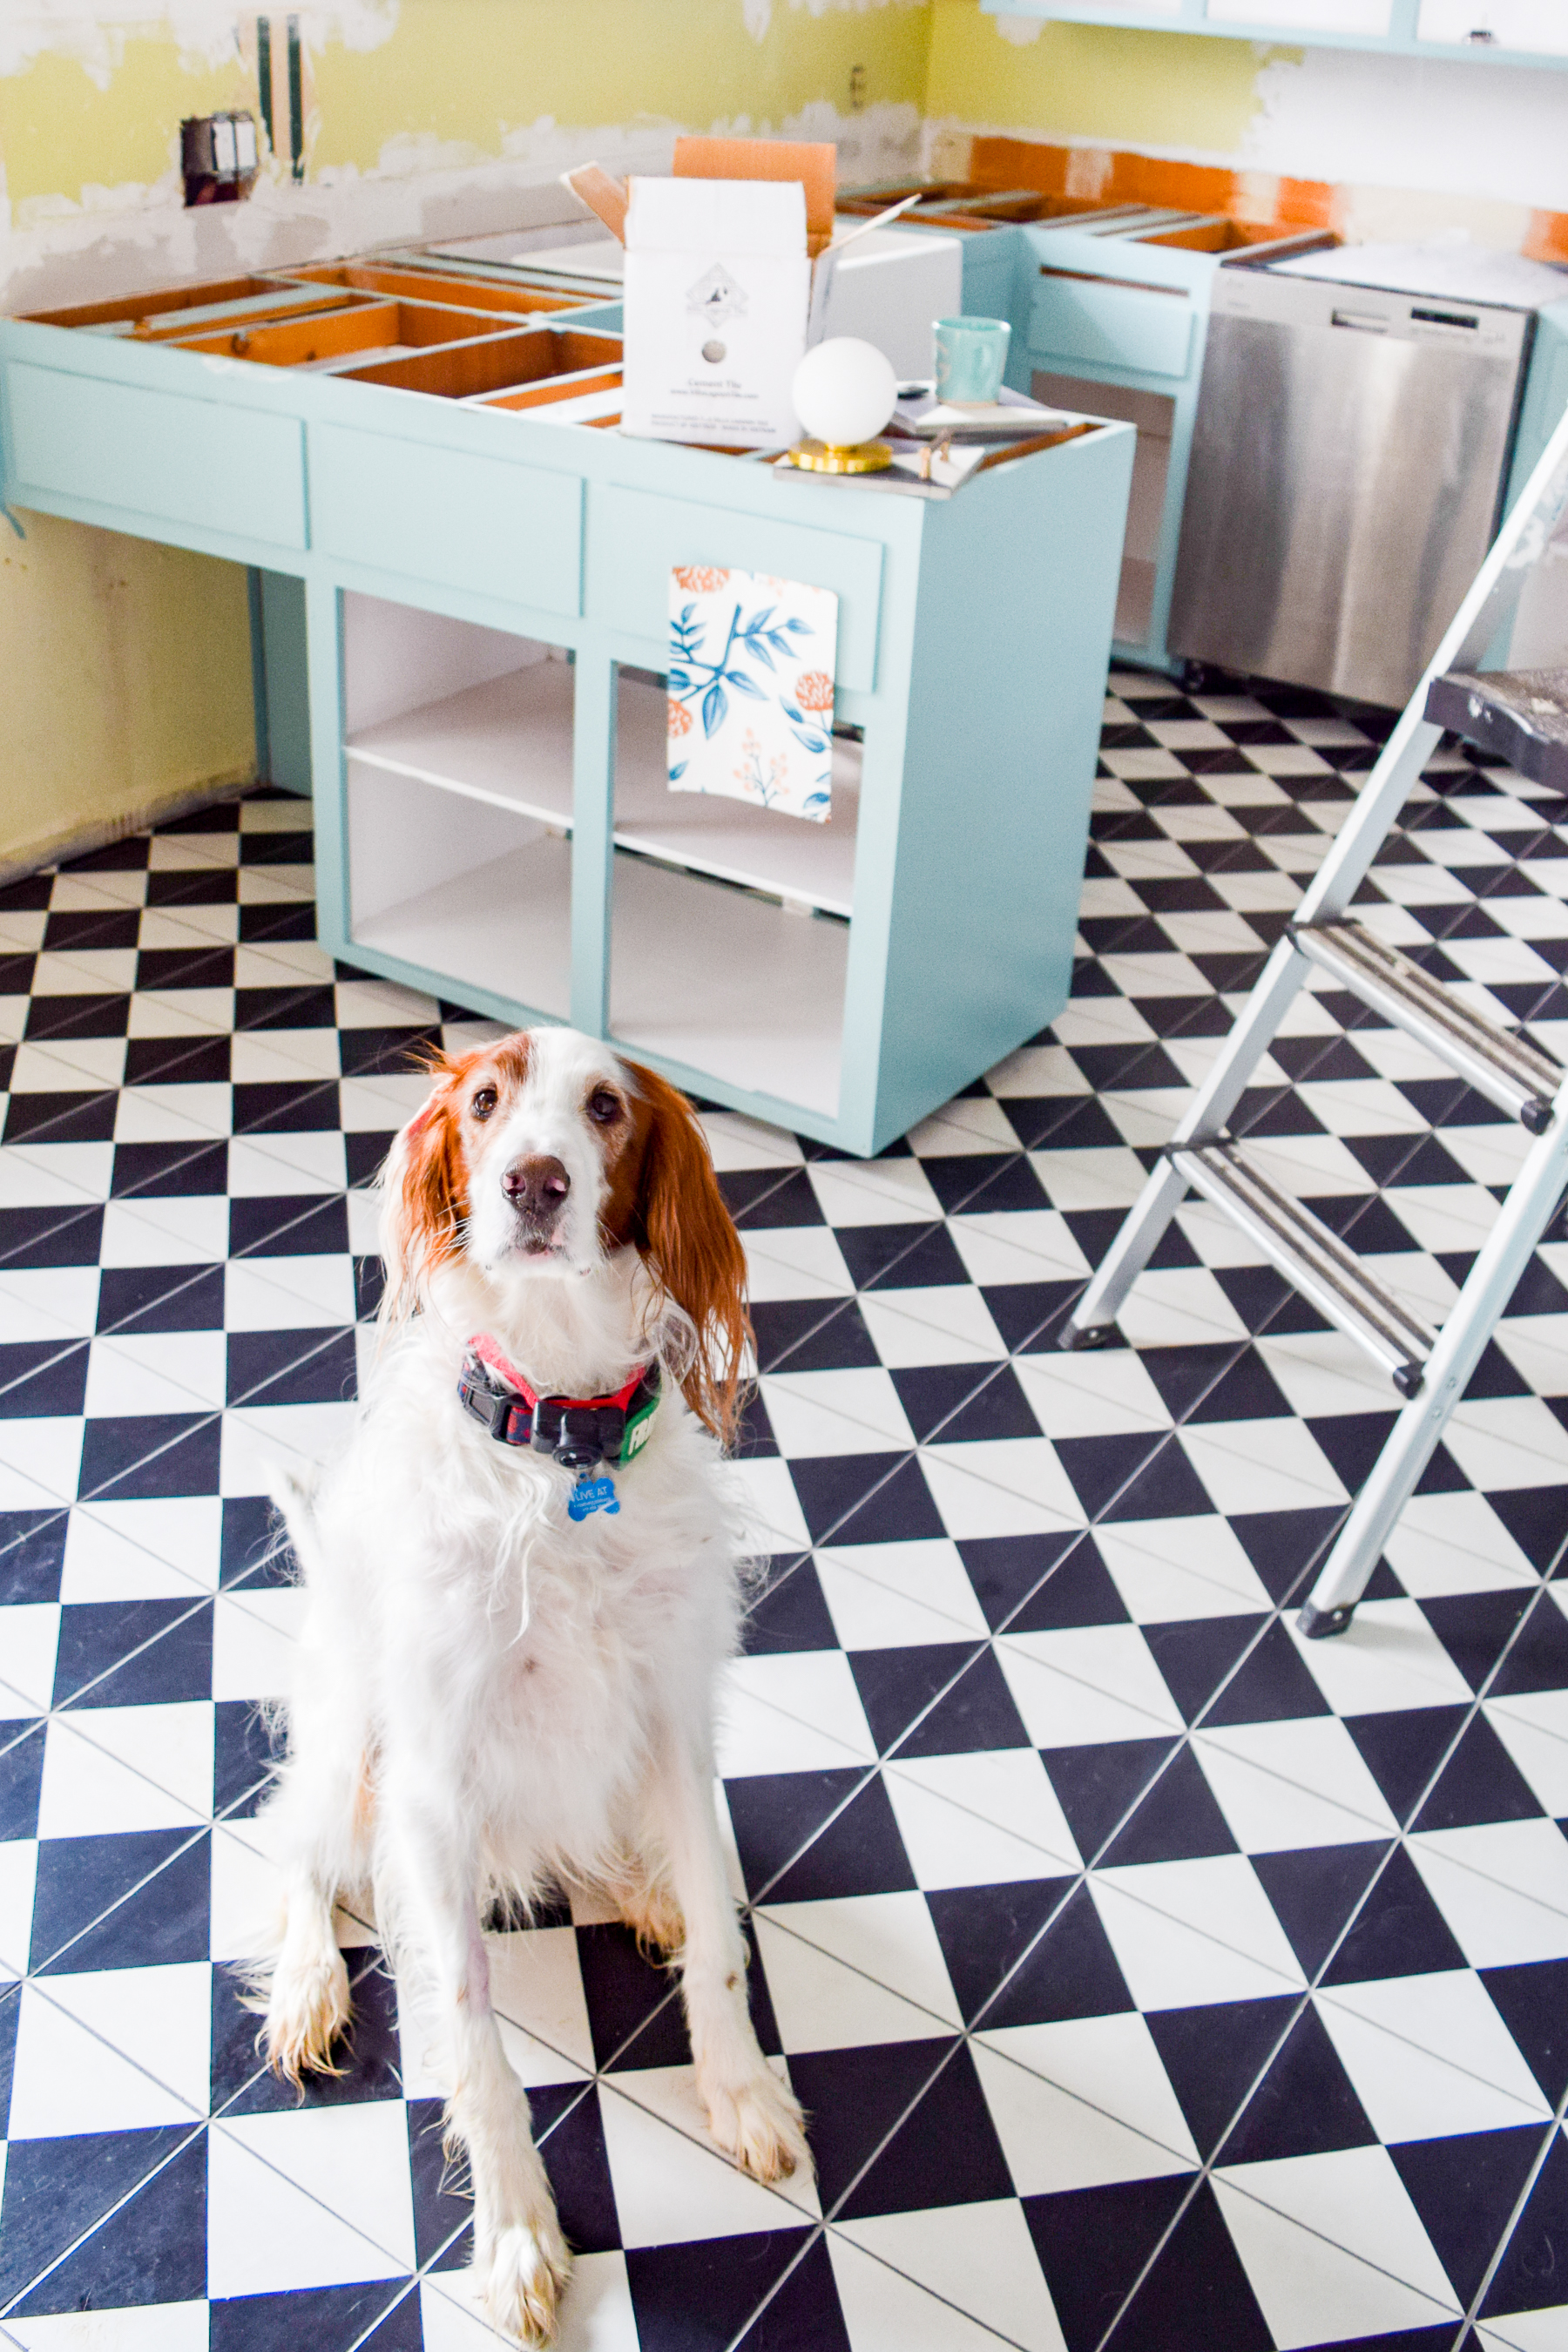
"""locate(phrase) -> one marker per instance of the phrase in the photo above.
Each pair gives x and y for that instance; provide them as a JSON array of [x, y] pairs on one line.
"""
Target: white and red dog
[[523, 1583]]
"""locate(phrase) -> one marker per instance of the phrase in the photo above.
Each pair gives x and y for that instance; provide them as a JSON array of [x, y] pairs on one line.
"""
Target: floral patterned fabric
[[751, 688]]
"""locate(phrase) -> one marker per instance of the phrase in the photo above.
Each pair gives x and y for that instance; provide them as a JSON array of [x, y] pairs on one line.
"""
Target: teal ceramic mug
[[971, 354]]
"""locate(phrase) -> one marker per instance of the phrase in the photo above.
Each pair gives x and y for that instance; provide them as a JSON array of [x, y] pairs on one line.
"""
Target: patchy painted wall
[[1418, 144], [423, 117], [127, 667], [127, 672]]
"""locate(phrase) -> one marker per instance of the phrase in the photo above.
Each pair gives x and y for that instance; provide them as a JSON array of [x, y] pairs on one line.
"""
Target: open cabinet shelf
[[723, 982], [508, 741]]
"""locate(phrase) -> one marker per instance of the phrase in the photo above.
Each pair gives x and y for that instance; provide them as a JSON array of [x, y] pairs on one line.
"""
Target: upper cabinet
[[1515, 32]]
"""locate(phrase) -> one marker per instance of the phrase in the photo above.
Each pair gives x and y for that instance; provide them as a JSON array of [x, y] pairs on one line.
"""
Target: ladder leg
[[1488, 1289], [1210, 1107], [1128, 1255]]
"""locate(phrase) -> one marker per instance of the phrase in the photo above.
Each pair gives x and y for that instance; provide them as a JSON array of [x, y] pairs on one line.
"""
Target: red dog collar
[[577, 1431]]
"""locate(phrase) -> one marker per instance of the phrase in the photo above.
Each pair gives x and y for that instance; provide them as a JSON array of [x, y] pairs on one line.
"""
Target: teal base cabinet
[[464, 613]]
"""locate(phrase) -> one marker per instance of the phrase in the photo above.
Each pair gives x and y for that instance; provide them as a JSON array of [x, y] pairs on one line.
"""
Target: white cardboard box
[[717, 286]]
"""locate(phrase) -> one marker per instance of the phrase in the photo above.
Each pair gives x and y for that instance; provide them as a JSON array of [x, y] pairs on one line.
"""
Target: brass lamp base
[[827, 457]]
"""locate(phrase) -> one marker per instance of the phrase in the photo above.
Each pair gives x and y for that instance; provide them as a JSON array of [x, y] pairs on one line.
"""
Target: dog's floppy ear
[[423, 1192], [689, 1243]]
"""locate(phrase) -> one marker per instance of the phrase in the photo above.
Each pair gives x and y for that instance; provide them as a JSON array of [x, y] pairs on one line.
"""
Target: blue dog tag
[[592, 1495]]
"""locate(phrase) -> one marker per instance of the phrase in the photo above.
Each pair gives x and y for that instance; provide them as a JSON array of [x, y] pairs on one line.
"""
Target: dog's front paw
[[759, 2122], [307, 2009], [520, 2277]]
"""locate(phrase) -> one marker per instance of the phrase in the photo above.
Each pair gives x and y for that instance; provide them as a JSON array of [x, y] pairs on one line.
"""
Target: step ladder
[[1524, 717]]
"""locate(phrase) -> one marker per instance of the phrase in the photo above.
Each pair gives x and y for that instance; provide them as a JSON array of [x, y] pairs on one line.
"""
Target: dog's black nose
[[536, 1186]]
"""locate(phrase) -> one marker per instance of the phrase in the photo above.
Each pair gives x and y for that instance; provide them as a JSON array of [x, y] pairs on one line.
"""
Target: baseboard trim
[[77, 841]]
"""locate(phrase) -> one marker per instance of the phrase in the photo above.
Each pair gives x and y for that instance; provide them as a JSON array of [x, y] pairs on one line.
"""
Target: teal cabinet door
[[1142, 328], [156, 456], [635, 538], [494, 529]]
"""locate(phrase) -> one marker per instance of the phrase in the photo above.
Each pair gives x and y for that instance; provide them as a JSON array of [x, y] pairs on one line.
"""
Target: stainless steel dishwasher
[[1349, 457]]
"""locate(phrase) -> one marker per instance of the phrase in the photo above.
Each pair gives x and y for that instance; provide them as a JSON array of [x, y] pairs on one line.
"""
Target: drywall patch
[[94, 32], [144, 236], [1493, 132], [1022, 31]]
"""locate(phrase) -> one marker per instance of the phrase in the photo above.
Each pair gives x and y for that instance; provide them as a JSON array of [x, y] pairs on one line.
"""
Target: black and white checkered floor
[[1153, 1980]]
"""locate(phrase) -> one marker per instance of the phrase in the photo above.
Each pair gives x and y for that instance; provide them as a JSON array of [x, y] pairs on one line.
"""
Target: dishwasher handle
[[1366, 322]]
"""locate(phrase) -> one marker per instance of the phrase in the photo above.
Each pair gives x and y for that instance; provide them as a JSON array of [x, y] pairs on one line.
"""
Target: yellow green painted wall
[[473, 71], [1091, 81], [127, 670]]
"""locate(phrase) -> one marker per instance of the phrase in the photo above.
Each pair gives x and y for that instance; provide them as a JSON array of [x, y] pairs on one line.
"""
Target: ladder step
[[1506, 1068], [1520, 714], [1316, 1260]]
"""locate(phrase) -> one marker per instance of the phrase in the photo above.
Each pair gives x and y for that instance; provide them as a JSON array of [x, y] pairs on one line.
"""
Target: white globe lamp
[[843, 391]]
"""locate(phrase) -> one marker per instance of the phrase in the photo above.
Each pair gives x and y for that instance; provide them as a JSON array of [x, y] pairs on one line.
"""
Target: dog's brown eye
[[604, 1108], [484, 1102]]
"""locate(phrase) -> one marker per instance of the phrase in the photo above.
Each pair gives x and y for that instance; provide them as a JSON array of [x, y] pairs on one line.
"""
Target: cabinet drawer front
[[157, 455], [1121, 325], [441, 514], [634, 538]]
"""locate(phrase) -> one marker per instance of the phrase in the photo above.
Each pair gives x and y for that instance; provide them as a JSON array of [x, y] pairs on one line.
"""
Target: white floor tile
[[49, 1304], [980, 1819], [670, 2181], [311, 1162], [1502, 1889], [136, 2327], [771, 1515], [1101, 1176], [1534, 1727], [888, 1939], [1000, 1486], [18, 1872], [1190, 1932], [172, 1113], [977, 2259], [797, 1713], [118, 2050], [1001, 1246], [1504, 1442], [29, 1637], [273, 1294], [1090, 1394], [315, 2197], [837, 1412], [884, 2311], [1392, 1660], [40, 1461], [1261, 1465], [1447, 1544], [1429, 2055], [166, 1549], [118, 1768], [192, 1232], [150, 1372], [1333, 2247], [1170, 1569], [1178, 1306], [255, 1637], [1080, 2104], [946, 1324], [795, 1261], [1527, 2331], [884, 1596], [1088, 1682], [259, 1439], [824, 2001], [873, 1192], [287, 1057], [1291, 1784]]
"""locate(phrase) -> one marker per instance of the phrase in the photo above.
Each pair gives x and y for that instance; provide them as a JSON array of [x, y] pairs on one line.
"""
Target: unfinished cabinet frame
[[462, 575]]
